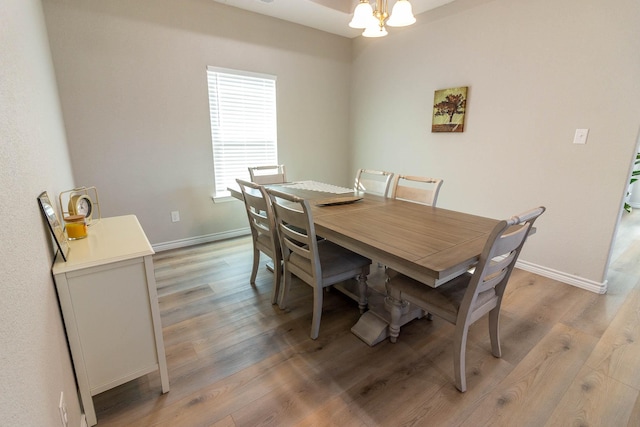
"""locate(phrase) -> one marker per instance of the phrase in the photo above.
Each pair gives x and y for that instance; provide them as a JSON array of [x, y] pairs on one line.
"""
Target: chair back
[[373, 181], [496, 262], [297, 234], [268, 174], [417, 189], [261, 217]]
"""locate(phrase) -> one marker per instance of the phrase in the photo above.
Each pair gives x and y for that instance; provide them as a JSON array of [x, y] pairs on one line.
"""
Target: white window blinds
[[243, 124]]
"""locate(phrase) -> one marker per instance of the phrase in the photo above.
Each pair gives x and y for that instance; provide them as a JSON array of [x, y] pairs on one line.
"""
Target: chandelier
[[373, 20]]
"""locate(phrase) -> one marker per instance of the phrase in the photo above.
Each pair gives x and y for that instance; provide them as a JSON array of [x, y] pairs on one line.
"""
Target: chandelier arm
[[381, 12]]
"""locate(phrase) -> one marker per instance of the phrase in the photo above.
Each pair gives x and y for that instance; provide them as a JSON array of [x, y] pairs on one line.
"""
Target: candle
[[76, 227]]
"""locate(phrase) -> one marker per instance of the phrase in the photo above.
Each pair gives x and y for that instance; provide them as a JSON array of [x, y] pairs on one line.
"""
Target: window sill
[[223, 199]]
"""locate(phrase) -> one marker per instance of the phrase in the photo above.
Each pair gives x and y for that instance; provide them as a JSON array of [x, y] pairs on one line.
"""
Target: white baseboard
[[580, 282], [159, 247]]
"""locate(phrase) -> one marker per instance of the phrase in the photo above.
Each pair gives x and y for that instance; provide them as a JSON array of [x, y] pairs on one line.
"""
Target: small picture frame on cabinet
[[54, 224]]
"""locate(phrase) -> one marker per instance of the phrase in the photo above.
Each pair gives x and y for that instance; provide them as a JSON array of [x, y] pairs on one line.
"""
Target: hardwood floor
[[570, 357]]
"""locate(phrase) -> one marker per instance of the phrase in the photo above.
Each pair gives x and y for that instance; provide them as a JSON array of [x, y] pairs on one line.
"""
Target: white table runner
[[318, 186]]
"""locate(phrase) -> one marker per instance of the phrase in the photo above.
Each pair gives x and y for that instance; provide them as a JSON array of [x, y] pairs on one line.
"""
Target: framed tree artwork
[[449, 107]]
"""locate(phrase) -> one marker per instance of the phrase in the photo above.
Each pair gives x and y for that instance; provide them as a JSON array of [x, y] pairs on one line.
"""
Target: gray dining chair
[[417, 189], [373, 181], [467, 298], [317, 263], [275, 174], [264, 234]]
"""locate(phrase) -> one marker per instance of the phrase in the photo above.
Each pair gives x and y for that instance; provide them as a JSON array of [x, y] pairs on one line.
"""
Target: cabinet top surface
[[108, 240]]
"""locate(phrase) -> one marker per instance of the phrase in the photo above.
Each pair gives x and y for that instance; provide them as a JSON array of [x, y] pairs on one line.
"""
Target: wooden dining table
[[430, 244]]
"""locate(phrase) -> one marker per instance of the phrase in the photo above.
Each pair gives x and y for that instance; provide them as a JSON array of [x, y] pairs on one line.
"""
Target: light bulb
[[361, 15], [401, 14], [375, 31]]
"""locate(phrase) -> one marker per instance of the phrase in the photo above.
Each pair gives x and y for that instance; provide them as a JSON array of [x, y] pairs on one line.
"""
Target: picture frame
[[449, 109], [55, 227]]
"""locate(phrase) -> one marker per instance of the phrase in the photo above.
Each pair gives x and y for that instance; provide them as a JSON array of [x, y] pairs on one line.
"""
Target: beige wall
[[34, 361], [536, 71], [132, 79]]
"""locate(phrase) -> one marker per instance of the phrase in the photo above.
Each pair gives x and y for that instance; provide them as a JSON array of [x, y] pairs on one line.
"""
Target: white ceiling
[[332, 16]]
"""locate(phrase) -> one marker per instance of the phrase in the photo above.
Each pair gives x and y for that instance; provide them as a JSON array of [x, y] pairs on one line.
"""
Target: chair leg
[[277, 279], [317, 311], [256, 263], [494, 331], [284, 292], [362, 292], [459, 356]]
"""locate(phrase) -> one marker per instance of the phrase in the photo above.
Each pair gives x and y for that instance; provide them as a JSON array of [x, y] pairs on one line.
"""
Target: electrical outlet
[[62, 407], [581, 136], [175, 216]]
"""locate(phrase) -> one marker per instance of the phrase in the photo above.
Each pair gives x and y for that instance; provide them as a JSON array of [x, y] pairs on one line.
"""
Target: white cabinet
[[107, 292]]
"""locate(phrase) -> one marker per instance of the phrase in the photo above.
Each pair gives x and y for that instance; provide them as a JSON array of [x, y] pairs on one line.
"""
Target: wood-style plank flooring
[[570, 357]]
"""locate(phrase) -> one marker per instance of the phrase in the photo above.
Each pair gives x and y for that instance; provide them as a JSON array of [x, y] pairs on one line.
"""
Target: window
[[243, 124]]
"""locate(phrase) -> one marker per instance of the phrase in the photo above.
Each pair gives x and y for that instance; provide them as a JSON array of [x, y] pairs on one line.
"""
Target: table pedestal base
[[373, 326], [371, 329]]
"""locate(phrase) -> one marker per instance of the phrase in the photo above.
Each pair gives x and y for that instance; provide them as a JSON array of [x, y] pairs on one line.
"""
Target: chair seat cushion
[[443, 301], [334, 259]]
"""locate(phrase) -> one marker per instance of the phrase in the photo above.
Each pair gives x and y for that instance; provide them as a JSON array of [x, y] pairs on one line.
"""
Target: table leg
[[397, 308], [374, 325], [362, 292]]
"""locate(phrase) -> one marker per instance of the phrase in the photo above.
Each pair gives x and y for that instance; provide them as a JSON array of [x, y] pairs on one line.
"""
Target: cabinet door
[[114, 323]]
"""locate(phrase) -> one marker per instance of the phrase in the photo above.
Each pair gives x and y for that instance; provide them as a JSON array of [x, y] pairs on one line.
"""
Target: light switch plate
[[581, 136]]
